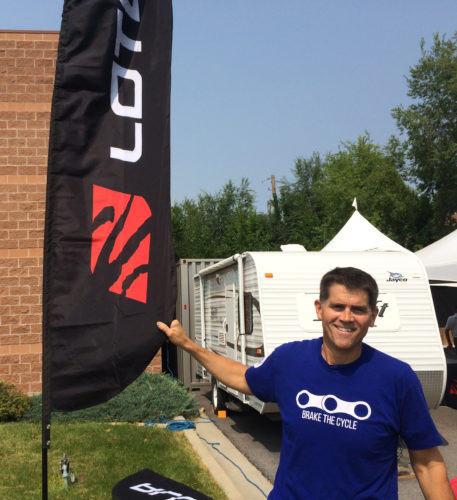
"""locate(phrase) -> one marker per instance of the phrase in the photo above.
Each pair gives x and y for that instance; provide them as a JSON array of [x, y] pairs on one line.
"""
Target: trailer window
[[248, 313]]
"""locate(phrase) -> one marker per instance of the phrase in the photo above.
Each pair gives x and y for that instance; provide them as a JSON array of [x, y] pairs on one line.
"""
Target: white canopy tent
[[359, 234], [440, 261]]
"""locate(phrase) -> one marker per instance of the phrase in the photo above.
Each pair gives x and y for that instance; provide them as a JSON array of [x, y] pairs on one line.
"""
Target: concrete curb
[[229, 477]]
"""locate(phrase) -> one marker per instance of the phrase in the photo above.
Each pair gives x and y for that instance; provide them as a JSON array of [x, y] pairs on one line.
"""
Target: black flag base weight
[[147, 483]]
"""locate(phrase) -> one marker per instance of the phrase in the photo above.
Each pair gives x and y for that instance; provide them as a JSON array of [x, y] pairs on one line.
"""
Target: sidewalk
[[224, 461]]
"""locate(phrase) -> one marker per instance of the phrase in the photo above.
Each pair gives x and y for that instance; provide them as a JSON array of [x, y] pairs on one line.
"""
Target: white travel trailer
[[250, 303]]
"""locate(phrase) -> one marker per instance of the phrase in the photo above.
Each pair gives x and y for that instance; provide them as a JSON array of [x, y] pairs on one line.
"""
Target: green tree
[[318, 202], [219, 225], [301, 206], [430, 124], [364, 171]]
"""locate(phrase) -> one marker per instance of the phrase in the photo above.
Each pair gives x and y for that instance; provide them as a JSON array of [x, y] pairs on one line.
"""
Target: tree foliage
[[310, 208], [219, 225], [430, 124], [318, 202]]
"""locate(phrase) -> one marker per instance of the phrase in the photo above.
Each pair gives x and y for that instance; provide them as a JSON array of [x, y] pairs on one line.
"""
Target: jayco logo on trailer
[[397, 277]]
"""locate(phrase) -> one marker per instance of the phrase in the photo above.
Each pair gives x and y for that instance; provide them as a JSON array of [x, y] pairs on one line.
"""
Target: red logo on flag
[[119, 221]]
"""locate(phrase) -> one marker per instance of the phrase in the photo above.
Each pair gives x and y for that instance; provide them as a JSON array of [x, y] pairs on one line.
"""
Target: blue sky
[[258, 83]]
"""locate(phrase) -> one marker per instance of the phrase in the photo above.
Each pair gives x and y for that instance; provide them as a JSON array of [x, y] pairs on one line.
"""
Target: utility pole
[[273, 185]]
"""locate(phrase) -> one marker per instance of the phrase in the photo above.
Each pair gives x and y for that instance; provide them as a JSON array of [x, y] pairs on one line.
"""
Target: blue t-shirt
[[341, 423]]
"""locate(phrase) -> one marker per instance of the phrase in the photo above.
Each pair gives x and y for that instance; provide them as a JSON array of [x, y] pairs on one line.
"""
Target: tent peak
[[358, 234]]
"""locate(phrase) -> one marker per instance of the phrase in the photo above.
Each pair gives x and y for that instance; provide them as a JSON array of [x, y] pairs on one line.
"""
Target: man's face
[[346, 317]]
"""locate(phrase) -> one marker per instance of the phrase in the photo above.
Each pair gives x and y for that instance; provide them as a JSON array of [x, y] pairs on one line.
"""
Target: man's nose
[[346, 315]]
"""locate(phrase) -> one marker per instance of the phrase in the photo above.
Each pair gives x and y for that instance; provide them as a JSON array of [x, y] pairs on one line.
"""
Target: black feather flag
[[108, 256]]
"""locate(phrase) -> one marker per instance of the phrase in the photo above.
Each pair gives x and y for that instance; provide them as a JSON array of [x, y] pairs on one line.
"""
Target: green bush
[[13, 403], [150, 396]]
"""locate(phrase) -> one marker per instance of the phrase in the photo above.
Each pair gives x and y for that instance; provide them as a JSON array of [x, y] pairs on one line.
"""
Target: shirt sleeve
[[417, 427], [261, 378]]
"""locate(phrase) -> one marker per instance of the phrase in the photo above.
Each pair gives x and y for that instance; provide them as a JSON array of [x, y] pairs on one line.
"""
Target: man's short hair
[[353, 279]]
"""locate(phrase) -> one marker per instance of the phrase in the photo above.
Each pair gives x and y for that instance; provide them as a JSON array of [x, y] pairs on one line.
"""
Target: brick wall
[[27, 67]]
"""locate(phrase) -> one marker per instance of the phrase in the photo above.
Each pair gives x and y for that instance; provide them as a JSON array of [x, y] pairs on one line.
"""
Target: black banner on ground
[[108, 257], [147, 483]]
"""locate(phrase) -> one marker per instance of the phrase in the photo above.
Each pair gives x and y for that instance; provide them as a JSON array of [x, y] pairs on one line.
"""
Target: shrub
[[13, 403], [150, 396]]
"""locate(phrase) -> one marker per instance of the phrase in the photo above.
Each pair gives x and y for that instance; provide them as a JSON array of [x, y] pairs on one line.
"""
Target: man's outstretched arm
[[228, 371]]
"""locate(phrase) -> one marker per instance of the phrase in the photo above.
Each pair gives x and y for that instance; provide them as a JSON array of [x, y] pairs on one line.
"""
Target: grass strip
[[101, 455]]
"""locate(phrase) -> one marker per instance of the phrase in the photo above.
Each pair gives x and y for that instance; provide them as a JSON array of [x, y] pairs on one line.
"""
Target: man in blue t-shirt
[[343, 404]]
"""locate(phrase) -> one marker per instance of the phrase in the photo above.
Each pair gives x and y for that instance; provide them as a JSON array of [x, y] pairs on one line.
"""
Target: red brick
[[25, 62], [18, 234], [36, 328], [7, 44], [36, 367], [30, 280], [30, 338], [31, 358], [11, 281], [21, 367], [14, 379], [30, 319], [35, 388], [9, 244], [29, 377], [20, 309], [31, 299], [10, 320], [47, 45], [35, 271], [9, 359], [19, 271], [16, 88], [5, 370], [7, 61], [22, 44], [5, 310], [17, 197], [20, 329], [8, 300], [18, 215], [11, 224]]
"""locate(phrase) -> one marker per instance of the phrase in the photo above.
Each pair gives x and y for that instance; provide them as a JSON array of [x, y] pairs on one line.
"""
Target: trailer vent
[[222, 340]]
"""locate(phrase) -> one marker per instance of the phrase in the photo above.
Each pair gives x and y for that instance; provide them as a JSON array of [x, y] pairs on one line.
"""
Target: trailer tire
[[218, 397]]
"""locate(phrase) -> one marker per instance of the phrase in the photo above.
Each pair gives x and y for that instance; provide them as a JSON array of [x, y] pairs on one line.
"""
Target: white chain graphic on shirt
[[340, 406]]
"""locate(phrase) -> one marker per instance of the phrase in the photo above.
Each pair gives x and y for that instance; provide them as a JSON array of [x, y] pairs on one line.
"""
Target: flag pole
[[45, 394], [45, 426], [46, 347]]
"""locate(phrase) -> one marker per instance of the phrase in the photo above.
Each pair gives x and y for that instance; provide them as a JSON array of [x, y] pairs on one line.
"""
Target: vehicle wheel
[[217, 397]]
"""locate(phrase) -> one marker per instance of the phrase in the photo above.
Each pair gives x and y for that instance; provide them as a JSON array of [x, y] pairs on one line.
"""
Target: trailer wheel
[[218, 397]]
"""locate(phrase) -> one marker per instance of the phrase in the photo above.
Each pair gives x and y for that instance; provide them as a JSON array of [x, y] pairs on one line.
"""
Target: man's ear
[[318, 306], [374, 315]]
